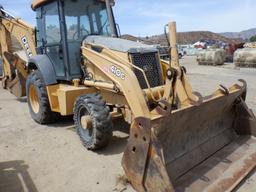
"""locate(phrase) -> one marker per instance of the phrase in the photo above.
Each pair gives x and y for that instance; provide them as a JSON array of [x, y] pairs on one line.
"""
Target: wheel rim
[[34, 99], [86, 124]]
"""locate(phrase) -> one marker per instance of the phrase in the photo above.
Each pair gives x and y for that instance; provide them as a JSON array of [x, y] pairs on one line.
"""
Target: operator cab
[[62, 25]]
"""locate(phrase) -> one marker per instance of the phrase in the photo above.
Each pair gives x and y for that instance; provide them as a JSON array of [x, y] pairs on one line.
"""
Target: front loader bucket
[[205, 147]]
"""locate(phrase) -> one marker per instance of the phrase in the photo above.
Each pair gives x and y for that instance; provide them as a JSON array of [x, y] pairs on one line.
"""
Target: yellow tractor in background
[[75, 64]]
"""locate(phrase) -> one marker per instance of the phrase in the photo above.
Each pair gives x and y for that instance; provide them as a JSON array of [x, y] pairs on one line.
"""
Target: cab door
[[49, 37]]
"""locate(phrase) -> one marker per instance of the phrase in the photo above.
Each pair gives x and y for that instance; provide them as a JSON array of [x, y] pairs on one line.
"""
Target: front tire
[[38, 101], [93, 121]]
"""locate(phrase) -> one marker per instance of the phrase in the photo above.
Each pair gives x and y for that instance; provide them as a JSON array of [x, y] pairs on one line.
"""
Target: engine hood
[[120, 45]]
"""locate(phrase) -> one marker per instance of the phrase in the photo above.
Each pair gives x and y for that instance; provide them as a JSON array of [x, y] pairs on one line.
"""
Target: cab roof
[[38, 3]]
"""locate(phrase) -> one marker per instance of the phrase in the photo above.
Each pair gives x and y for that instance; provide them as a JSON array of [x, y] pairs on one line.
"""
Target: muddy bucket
[[206, 147]]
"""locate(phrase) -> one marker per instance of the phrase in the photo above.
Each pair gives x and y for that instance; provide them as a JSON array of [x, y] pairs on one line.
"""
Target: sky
[[148, 17]]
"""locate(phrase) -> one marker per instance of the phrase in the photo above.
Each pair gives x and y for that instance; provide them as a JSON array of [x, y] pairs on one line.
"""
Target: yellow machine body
[[179, 140]]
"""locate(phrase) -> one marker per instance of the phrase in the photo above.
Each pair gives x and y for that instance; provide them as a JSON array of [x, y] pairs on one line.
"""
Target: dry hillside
[[185, 38]]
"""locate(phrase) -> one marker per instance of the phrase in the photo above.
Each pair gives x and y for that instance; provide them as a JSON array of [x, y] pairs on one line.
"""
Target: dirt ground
[[40, 158]]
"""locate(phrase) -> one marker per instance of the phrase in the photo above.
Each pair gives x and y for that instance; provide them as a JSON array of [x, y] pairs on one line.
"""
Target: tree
[[253, 38]]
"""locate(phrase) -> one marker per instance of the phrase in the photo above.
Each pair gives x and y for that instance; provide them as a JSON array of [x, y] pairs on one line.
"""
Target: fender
[[45, 66]]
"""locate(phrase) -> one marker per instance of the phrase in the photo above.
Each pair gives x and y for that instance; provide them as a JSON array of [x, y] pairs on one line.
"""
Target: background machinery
[[73, 63]]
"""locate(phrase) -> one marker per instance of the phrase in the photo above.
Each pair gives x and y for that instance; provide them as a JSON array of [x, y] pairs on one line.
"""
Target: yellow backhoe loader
[[75, 63]]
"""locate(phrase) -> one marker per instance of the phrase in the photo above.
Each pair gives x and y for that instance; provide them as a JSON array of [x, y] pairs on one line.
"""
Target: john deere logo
[[117, 72], [27, 47]]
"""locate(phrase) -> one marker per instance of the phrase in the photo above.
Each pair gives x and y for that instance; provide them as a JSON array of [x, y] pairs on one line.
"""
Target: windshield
[[85, 18]]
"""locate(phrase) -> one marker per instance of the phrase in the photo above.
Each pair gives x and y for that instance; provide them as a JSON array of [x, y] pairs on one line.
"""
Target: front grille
[[149, 63]]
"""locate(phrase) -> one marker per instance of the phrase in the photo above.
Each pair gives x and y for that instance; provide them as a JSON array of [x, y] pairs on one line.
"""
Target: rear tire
[[38, 101], [98, 134]]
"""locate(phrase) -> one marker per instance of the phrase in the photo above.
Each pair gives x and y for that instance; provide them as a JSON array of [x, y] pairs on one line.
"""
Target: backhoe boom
[[14, 31]]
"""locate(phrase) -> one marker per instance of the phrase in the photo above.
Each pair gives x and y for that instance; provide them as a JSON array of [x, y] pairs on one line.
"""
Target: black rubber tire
[[44, 115], [100, 134]]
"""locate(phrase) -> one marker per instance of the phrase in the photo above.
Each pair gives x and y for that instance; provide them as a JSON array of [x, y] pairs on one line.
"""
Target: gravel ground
[[51, 158]]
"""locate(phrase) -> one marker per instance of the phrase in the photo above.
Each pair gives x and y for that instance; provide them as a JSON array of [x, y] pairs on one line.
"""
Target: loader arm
[[14, 73], [130, 90]]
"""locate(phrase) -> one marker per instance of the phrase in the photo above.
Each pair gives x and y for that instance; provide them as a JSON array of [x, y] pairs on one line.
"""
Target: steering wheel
[[81, 31]]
